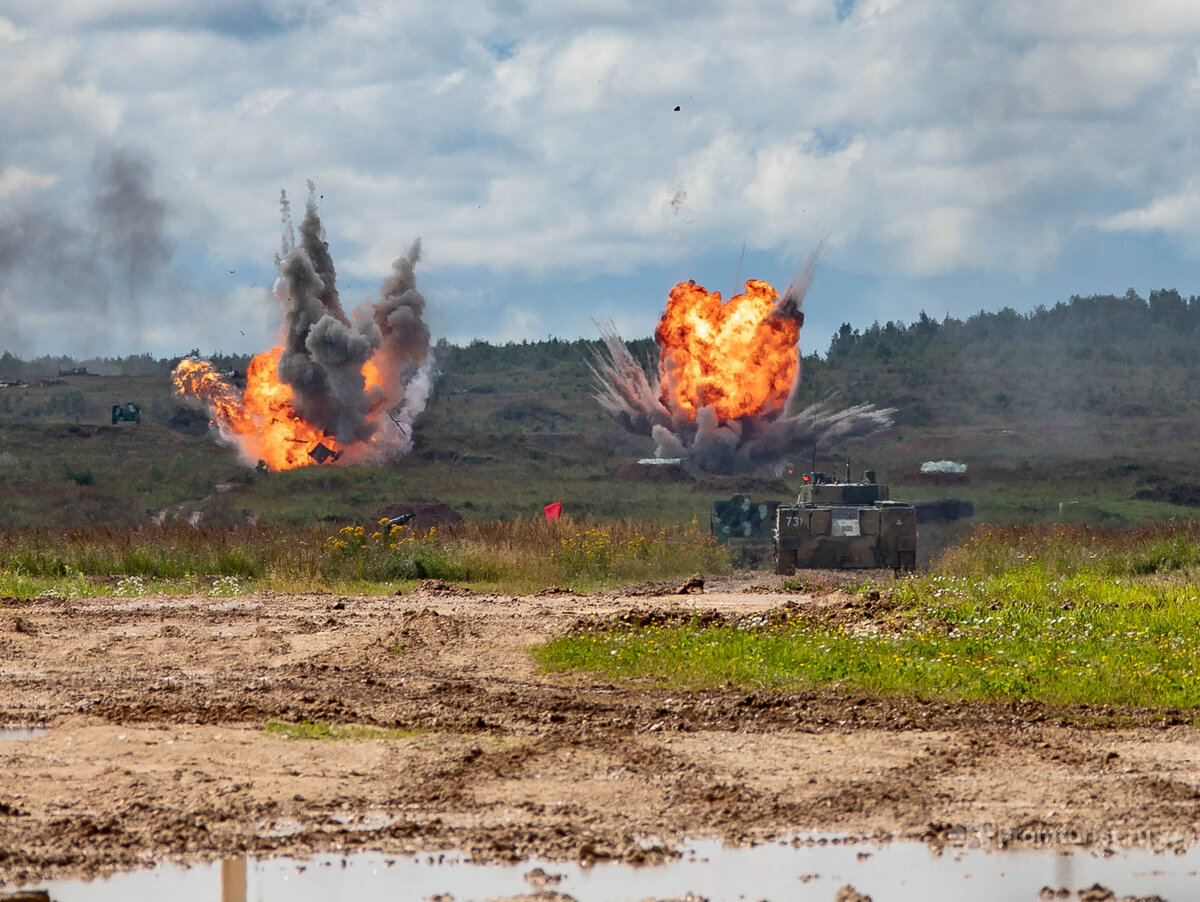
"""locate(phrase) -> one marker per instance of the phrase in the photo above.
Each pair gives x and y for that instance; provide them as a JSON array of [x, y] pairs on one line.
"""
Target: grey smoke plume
[[324, 350], [131, 219], [88, 272], [633, 398], [399, 309]]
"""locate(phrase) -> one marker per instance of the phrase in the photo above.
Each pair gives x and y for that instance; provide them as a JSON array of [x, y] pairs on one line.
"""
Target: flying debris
[[339, 388], [726, 375]]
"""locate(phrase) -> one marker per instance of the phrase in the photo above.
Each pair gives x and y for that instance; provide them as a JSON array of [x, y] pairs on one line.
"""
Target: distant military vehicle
[[835, 525], [129, 412]]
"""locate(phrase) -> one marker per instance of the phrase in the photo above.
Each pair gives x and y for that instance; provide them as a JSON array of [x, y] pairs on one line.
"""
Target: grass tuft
[[308, 730]]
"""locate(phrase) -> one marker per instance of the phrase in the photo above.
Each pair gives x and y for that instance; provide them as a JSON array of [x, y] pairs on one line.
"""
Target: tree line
[[1108, 355]]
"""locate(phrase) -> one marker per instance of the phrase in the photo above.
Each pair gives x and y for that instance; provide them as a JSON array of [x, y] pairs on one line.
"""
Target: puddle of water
[[893, 872], [12, 733]]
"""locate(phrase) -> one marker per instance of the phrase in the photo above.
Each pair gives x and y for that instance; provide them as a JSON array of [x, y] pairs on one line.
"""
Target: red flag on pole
[[554, 511]]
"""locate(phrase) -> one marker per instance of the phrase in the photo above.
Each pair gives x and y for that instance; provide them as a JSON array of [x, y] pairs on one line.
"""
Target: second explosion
[[726, 375]]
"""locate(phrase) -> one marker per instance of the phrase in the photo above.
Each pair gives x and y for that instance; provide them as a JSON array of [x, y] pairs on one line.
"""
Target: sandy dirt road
[[156, 748]]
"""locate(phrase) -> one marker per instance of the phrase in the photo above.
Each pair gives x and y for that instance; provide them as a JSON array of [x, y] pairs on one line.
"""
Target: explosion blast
[[727, 372], [336, 389]]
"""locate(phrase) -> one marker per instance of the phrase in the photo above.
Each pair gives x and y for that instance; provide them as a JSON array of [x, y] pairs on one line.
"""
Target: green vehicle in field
[[845, 525], [129, 412]]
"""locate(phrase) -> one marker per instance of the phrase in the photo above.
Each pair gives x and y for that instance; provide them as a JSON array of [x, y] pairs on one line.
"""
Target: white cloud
[[1080, 79], [451, 81], [938, 240], [1176, 213], [929, 138], [1115, 19], [9, 33], [516, 324], [263, 102], [15, 182]]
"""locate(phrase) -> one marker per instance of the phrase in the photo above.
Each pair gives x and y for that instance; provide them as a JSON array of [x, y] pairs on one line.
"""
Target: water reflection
[[894, 872], [233, 880], [14, 733]]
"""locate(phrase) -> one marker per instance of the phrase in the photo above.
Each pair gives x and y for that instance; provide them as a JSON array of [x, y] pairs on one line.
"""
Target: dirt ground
[[156, 747]]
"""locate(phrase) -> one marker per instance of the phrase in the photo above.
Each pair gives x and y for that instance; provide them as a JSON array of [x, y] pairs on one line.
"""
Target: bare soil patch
[[156, 748]]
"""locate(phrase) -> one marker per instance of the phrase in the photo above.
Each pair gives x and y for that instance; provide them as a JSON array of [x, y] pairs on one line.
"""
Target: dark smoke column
[[326, 353]]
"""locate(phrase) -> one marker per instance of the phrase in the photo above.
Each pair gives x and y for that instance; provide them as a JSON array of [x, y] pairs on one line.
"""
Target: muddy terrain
[[156, 747]]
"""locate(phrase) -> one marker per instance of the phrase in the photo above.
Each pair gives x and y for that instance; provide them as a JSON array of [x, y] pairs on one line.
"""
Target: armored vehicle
[[128, 411], [847, 524]]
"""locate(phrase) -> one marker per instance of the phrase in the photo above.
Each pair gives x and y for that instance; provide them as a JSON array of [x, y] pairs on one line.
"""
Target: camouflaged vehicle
[[843, 525], [746, 526]]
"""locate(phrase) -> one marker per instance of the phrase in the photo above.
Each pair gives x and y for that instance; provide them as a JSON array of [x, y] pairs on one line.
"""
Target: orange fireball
[[261, 420], [739, 357]]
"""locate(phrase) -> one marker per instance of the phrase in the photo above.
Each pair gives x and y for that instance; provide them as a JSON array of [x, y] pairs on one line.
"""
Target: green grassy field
[[520, 556], [509, 431], [1062, 615], [492, 448]]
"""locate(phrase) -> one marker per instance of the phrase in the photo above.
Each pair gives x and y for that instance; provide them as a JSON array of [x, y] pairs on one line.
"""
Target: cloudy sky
[[567, 161]]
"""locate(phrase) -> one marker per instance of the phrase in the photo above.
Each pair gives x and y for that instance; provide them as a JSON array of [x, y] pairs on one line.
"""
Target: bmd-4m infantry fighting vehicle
[[836, 525]]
